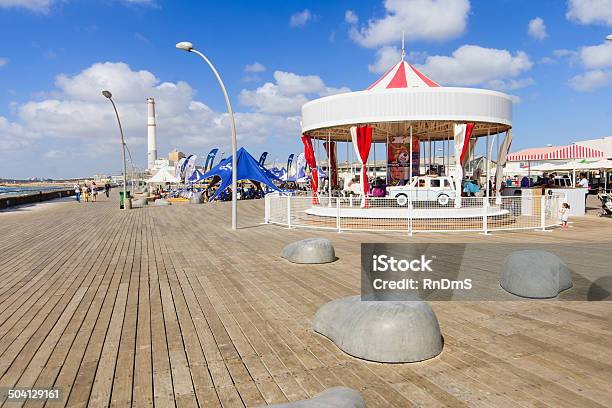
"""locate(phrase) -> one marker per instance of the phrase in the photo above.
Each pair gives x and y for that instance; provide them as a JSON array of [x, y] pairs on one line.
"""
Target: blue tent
[[248, 169], [195, 177]]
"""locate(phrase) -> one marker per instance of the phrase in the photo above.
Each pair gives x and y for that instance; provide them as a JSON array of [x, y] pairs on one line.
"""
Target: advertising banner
[[289, 162], [262, 159], [210, 159], [398, 158], [190, 166]]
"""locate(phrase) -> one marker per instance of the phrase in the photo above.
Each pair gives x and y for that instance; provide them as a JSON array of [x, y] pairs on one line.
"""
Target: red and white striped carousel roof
[[556, 153], [402, 75]]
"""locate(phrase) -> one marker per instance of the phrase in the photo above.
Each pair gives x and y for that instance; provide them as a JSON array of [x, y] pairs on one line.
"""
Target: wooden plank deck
[[167, 306]]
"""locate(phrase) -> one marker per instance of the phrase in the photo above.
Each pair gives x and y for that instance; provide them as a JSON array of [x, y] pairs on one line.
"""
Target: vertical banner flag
[[301, 166], [179, 168], [210, 159], [399, 160], [190, 166], [289, 162], [362, 141], [262, 159], [312, 163]]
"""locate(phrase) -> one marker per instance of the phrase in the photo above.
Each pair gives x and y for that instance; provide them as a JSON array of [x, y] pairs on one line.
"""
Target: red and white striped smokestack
[[151, 133]]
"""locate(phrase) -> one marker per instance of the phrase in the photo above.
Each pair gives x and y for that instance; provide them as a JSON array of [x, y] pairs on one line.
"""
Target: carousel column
[[410, 207], [487, 167]]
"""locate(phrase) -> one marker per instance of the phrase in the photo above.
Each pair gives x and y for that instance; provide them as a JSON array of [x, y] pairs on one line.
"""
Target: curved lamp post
[[187, 46], [109, 96]]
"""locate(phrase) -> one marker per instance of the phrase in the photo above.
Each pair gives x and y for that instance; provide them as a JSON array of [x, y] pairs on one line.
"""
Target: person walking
[[94, 192], [77, 192], [107, 189], [86, 193], [564, 214]]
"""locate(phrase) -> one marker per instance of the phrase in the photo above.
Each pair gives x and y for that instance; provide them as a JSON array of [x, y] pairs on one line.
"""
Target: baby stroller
[[606, 204]]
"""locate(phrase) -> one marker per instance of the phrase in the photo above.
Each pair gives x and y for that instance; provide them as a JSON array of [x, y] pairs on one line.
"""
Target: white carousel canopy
[[405, 96]]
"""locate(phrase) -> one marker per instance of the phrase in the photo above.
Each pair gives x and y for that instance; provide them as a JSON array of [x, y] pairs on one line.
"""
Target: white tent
[[164, 175]]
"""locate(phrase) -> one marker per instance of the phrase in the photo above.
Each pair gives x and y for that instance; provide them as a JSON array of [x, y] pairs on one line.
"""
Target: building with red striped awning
[[570, 152]]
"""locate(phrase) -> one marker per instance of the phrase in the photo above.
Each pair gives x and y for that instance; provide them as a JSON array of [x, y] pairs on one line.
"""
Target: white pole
[[487, 166], [125, 205], [410, 162], [234, 144]]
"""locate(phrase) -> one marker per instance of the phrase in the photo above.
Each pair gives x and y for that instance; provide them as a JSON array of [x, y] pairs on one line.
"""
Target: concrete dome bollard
[[310, 251], [535, 274], [140, 202], [161, 201], [381, 331], [336, 397], [196, 198]]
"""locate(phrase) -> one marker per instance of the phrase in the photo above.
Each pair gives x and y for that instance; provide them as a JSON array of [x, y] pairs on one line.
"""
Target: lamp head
[[185, 46], [107, 94]]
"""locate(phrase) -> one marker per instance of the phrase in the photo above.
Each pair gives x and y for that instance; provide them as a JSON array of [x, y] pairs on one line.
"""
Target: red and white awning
[[402, 75], [556, 153]]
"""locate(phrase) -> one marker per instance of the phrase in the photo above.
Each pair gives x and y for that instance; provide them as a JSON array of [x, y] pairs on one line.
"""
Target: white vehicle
[[424, 188]]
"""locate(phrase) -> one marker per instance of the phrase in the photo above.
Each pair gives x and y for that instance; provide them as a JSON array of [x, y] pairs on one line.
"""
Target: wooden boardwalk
[[167, 306]]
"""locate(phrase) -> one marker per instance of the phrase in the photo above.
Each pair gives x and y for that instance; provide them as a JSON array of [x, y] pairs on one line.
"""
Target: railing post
[[267, 209], [543, 212], [338, 213], [485, 218], [288, 211], [410, 212]]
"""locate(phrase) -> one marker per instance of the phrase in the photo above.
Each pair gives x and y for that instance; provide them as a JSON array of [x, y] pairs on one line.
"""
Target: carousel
[[428, 133]]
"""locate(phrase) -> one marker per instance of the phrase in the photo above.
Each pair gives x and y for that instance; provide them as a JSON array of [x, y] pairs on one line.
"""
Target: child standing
[[564, 214]]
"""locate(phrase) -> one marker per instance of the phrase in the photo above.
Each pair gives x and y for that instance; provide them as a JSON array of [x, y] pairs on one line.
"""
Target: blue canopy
[[248, 169], [196, 176]]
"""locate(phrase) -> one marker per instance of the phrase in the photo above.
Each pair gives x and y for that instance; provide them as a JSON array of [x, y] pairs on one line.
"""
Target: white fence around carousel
[[477, 214]]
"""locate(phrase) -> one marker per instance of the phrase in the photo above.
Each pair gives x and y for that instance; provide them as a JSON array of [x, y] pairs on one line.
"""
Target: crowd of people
[[89, 192]]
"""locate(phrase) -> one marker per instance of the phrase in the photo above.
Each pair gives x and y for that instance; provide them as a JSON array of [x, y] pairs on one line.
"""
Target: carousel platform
[[404, 212]]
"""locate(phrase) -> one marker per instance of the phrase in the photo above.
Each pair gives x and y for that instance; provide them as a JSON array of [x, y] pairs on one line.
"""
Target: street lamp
[[187, 46], [109, 96]]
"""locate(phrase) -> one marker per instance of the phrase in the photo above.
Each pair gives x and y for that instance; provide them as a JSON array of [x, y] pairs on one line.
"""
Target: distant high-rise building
[[174, 156]]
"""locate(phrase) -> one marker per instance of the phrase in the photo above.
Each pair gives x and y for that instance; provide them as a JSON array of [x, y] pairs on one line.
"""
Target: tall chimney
[[151, 133]]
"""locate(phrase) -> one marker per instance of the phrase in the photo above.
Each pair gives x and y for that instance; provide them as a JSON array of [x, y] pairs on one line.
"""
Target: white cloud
[[386, 57], [300, 19], [3, 62], [419, 19], [537, 29], [597, 56], [547, 61], [140, 2], [591, 80], [255, 67], [474, 65], [597, 59], [590, 11], [38, 6], [511, 84], [288, 94], [14, 136], [350, 17], [76, 116], [53, 154]]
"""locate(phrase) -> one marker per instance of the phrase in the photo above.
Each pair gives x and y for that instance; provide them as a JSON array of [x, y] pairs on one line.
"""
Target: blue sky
[[54, 122]]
